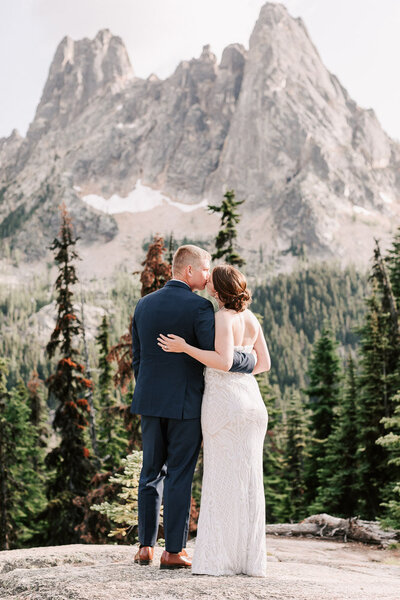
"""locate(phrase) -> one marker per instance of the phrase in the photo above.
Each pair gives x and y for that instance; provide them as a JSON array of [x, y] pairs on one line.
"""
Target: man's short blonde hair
[[188, 255]]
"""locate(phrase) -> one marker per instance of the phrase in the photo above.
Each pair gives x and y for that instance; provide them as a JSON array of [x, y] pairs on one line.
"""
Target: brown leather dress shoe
[[170, 560], [144, 556]]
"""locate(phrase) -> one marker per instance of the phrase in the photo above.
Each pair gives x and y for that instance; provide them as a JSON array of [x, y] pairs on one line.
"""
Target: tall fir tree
[[27, 471], [295, 507], [381, 277], [373, 472], [22, 495], [273, 455], [70, 460], [391, 441], [337, 476], [113, 440], [379, 380], [7, 459], [226, 237], [156, 271], [171, 246], [323, 391], [38, 418], [89, 394], [392, 260]]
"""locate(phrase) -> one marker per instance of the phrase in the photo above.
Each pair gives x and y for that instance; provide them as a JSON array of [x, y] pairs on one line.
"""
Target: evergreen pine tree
[[89, 395], [124, 511], [70, 460], [112, 434], [391, 441], [121, 353], [295, 507], [29, 495], [273, 456], [379, 379], [393, 261], [337, 476], [156, 270], [323, 391], [38, 418], [373, 472], [21, 489], [171, 246], [225, 241], [389, 313], [7, 459]]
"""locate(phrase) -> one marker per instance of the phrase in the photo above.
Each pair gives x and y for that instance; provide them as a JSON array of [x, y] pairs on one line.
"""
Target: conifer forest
[[70, 448]]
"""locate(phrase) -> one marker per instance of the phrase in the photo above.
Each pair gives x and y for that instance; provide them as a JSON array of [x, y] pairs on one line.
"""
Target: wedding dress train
[[231, 528]]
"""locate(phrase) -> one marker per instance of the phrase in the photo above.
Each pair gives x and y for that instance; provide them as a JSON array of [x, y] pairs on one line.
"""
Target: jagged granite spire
[[81, 70], [307, 153]]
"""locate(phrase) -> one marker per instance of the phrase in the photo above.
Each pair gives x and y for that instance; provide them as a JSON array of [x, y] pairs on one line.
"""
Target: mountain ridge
[[319, 174]]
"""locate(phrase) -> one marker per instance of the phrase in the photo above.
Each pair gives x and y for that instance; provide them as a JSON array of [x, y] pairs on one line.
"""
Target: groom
[[168, 394]]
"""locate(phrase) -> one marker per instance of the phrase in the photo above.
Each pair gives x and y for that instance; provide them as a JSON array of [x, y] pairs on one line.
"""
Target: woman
[[231, 527]]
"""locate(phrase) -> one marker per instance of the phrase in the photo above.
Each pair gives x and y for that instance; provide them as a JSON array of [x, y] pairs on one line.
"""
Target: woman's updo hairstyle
[[231, 287]]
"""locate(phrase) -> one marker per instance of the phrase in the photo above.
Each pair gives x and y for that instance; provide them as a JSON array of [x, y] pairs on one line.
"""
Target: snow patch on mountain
[[141, 199], [361, 210], [386, 198]]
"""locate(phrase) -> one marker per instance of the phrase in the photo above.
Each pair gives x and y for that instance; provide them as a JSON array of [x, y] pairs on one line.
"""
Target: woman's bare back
[[246, 331], [245, 327]]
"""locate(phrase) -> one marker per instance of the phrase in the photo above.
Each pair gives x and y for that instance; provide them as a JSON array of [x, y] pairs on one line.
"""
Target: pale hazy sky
[[358, 40]]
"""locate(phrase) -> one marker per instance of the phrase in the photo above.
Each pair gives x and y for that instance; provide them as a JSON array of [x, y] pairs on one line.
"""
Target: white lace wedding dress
[[231, 528]]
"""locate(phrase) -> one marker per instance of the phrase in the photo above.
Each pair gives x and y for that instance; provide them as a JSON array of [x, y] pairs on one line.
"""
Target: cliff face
[[306, 150], [80, 71], [318, 173]]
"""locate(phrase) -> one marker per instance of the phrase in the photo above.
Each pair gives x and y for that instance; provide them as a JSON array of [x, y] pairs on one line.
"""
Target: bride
[[231, 527]]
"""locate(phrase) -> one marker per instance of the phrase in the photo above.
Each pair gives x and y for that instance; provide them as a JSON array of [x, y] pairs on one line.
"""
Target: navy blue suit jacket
[[170, 384]]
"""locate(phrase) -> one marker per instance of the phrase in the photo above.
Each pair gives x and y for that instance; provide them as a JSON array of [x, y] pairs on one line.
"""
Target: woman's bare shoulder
[[250, 316], [224, 315]]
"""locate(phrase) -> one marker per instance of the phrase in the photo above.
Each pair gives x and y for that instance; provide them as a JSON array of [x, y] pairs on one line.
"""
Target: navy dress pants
[[170, 451]]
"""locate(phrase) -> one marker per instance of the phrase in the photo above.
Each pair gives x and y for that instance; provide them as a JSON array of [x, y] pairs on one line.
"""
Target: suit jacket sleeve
[[204, 326], [205, 333], [243, 362], [135, 347]]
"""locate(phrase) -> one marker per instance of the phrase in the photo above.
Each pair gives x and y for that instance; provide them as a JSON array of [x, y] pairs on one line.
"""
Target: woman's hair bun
[[231, 287]]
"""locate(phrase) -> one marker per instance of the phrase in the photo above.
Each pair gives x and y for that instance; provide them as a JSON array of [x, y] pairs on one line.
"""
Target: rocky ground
[[298, 569]]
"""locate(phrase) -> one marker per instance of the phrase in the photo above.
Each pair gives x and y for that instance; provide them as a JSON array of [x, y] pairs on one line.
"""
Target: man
[[168, 394]]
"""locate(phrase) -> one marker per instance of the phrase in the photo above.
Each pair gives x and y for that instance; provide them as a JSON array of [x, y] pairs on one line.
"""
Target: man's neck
[[181, 280]]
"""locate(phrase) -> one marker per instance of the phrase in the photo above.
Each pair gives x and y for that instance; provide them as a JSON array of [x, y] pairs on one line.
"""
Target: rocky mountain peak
[[233, 58], [272, 13], [275, 21], [317, 171], [80, 71], [14, 136], [104, 36], [204, 67], [9, 146], [283, 44], [197, 70], [207, 55]]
